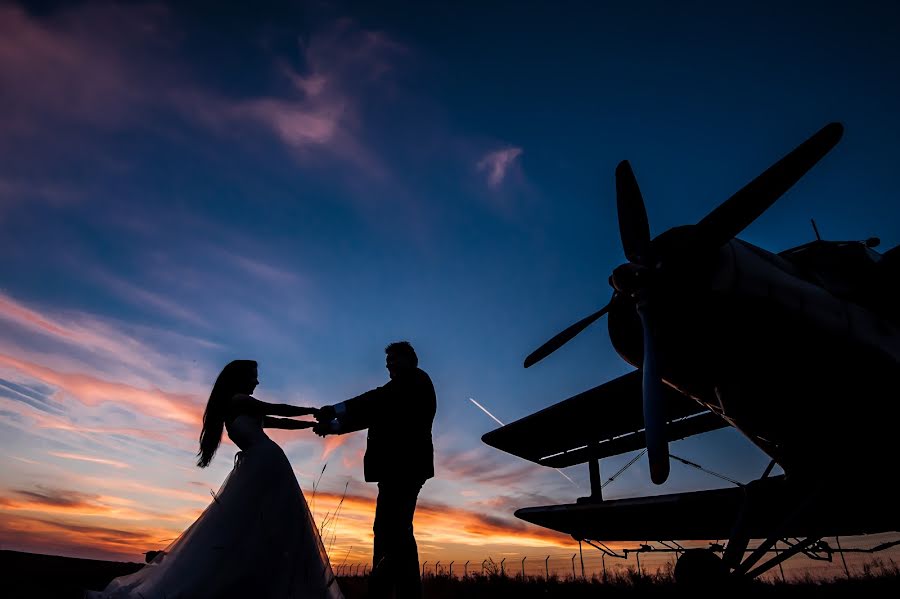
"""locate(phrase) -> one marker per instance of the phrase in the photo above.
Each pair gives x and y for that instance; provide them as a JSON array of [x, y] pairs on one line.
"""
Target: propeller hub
[[630, 278]]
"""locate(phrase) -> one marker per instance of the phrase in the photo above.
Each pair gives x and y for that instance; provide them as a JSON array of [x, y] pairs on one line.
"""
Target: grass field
[[35, 576]]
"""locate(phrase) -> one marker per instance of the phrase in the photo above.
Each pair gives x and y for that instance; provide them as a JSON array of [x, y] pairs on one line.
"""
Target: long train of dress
[[256, 539]]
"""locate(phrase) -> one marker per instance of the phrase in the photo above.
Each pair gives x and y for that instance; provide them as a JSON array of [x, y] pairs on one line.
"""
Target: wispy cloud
[[55, 497], [58, 536], [25, 316], [141, 296], [436, 525], [497, 164], [77, 66], [49, 426], [63, 66], [479, 466], [39, 400], [102, 342], [13, 191], [52, 502], [323, 114], [332, 442], [87, 458], [90, 390], [74, 341]]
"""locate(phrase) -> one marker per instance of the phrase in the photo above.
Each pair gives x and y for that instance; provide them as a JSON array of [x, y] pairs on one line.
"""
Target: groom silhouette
[[399, 457]]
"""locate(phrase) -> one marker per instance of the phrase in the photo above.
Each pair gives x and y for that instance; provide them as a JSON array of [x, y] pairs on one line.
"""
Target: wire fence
[[840, 557]]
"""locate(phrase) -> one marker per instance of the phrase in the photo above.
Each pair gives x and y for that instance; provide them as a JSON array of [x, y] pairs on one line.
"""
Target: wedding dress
[[257, 539]]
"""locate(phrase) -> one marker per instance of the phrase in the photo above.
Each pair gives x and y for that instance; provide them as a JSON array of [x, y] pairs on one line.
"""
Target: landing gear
[[700, 568]]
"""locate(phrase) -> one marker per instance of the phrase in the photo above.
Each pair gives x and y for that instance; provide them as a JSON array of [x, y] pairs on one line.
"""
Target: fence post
[[523, 567], [482, 566], [436, 567], [574, 555], [581, 553], [846, 569], [451, 569], [502, 570], [466, 572], [423, 568], [547, 568]]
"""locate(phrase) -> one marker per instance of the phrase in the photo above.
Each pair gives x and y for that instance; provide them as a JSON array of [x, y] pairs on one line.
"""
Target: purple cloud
[[78, 66], [103, 65], [322, 115], [497, 164]]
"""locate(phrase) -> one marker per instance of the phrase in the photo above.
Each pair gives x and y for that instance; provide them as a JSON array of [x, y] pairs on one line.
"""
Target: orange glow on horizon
[[345, 525]]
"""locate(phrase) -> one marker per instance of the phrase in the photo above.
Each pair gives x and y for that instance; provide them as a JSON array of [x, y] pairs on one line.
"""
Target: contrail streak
[[566, 476], [497, 420], [483, 409]]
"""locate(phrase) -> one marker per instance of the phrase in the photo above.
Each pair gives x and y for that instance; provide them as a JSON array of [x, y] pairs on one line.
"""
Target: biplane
[[798, 350]]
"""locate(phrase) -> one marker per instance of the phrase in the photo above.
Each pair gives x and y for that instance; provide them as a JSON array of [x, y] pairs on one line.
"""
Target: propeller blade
[[566, 336], [654, 404], [634, 228], [737, 212]]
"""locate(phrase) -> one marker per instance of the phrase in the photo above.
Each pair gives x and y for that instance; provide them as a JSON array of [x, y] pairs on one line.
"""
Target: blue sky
[[302, 183]]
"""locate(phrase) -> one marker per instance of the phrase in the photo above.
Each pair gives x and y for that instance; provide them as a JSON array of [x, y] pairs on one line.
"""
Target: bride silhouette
[[257, 538]]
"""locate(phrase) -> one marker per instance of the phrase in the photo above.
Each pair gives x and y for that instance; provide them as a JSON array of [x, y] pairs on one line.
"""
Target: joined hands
[[324, 415]]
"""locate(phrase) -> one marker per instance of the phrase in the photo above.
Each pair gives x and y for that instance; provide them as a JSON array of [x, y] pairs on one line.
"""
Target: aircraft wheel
[[700, 568]]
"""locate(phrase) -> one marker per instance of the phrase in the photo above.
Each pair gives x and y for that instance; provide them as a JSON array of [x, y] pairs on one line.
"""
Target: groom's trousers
[[395, 563]]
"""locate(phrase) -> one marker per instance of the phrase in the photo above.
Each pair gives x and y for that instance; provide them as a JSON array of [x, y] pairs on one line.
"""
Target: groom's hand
[[321, 428], [325, 414]]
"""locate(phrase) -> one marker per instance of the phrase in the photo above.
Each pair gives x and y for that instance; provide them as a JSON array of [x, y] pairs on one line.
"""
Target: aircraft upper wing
[[600, 422]]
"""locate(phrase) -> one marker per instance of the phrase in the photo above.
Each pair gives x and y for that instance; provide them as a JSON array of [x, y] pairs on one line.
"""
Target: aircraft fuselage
[[809, 377]]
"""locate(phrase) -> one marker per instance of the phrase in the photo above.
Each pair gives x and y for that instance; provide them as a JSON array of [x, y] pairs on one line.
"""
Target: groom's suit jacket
[[399, 416]]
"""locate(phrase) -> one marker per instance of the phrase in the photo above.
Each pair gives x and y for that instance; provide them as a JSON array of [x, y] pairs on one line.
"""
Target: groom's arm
[[354, 414]]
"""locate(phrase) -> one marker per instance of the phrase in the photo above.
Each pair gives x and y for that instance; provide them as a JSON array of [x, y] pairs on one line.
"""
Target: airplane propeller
[[737, 212], [634, 228], [564, 337], [629, 279], [634, 281]]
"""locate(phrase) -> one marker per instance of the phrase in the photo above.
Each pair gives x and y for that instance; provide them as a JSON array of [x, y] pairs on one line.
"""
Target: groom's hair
[[403, 348]]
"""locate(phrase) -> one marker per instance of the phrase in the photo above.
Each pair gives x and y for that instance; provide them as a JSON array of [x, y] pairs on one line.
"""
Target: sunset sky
[[303, 183]]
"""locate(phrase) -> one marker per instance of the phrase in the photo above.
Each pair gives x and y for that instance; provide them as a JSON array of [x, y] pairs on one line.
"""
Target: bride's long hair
[[233, 379]]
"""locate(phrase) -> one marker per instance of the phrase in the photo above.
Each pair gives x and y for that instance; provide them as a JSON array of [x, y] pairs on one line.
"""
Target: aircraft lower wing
[[710, 515], [600, 422]]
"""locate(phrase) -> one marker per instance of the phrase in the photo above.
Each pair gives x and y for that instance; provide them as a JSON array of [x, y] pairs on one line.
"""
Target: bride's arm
[[247, 404], [286, 423]]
